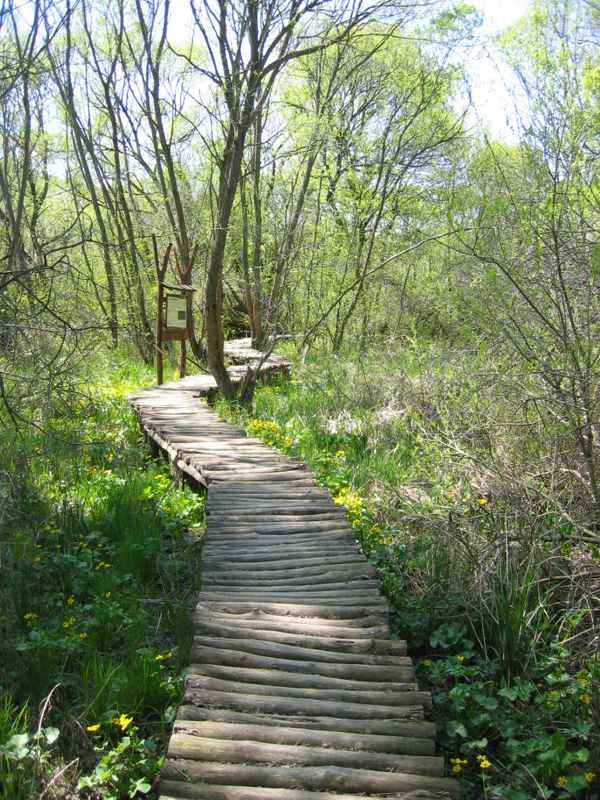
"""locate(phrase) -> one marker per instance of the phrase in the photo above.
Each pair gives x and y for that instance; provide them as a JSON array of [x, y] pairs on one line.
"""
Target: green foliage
[[99, 571], [125, 769]]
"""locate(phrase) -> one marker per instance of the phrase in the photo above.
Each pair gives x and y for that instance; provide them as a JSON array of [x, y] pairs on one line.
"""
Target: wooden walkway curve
[[295, 690]]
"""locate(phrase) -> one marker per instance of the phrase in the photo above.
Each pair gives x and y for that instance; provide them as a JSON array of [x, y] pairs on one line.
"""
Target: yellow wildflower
[[123, 721], [589, 776], [460, 658], [562, 780], [427, 663]]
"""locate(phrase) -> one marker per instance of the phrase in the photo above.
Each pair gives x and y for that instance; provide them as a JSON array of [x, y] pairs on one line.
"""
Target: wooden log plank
[[369, 601], [178, 790], [417, 729], [280, 528], [241, 494], [324, 580], [299, 705], [276, 677], [360, 672], [296, 558], [289, 509], [314, 593], [284, 651], [200, 748], [406, 694], [297, 477], [313, 778], [309, 519], [342, 575], [277, 570], [282, 734], [295, 504], [304, 639], [246, 543], [352, 613], [304, 596], [298, 626]]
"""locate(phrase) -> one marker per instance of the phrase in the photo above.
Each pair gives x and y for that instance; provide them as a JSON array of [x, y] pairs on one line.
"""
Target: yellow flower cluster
[[483, 762], [123, 721], [459, 763], [160, 656], [263, 427]]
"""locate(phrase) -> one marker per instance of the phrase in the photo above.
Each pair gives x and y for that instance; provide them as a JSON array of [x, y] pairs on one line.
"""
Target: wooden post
[[161, 271]]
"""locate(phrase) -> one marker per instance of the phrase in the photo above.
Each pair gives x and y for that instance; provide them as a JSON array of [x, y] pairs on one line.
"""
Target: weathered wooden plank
[[256, 620], [263, 494], [316, 582], [373, 727], [289, 509], [353, 613], [200, 748], [293, 557], [277, 677], [176, 790], [283, 734], [360, 672], [406, 694], [277, 570], [342, 779], [299, 705], [304, 639], [277, 650], [281, 528]]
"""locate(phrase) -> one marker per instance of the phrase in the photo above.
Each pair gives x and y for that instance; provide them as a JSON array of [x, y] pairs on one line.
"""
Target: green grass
[[99, 569]]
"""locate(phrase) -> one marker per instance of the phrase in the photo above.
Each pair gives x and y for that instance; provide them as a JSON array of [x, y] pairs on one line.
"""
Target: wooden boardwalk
[[295, 691]]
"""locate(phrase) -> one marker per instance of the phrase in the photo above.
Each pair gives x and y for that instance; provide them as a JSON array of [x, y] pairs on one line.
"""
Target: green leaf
[[456, 728], [51, 735], [141, 785]]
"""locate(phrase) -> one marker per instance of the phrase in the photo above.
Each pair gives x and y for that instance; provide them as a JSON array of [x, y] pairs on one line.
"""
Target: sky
[[491, 79]]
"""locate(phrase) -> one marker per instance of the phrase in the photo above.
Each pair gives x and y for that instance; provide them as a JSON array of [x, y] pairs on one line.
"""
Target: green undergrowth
[[484, 576], [99, 566]]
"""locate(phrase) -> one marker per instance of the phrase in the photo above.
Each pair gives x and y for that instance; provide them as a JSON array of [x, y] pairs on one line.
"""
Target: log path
[[295, 690]]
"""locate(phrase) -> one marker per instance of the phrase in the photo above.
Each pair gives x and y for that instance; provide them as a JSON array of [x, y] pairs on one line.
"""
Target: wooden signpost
[[174, 309]]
